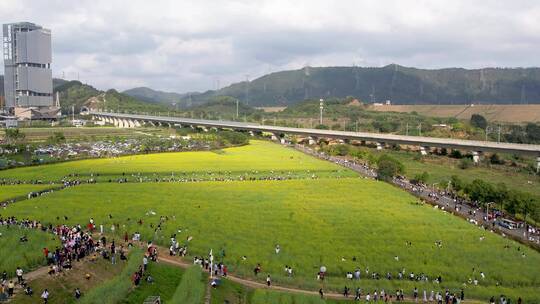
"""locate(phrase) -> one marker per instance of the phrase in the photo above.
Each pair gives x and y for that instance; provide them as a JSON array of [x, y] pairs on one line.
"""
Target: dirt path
[[32, 275], [42, 271], [256, 285]]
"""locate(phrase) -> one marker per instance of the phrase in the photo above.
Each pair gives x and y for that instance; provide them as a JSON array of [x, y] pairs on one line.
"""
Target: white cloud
[[187, 45]]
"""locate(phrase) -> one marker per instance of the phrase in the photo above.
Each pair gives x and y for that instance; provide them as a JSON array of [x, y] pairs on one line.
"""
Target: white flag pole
[[211, 263]]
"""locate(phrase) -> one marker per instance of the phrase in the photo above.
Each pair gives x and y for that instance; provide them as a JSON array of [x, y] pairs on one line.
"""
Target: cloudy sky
[[194, 45]]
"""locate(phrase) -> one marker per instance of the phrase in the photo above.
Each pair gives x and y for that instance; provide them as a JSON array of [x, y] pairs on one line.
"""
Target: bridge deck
[[472, 145]]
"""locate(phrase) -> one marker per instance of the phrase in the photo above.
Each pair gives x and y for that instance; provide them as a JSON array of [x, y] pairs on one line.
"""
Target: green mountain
[[221, 107], [75, 93], [154, 96], [401, 85]]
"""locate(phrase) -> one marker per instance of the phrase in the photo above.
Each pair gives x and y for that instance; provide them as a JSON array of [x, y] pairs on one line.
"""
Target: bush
[[457, 183], [478, 121], [233, 138], [456, 154], [465, 163], [495, 159], [388, 167], [421, 178], [321, 127], [14, 136], [481, 191], [340, 150]]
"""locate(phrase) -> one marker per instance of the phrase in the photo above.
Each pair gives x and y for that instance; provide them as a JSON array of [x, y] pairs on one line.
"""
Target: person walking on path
[[19, 273], [45, 296], [11, 287], [268, 281]]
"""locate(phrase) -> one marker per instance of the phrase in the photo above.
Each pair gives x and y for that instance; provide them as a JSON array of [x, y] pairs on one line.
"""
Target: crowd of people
[[75, 245], [175, 177], [34, 194]]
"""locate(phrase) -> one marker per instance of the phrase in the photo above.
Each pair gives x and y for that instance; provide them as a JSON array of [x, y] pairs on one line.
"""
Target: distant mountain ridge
[[154, 96], [401, 85]]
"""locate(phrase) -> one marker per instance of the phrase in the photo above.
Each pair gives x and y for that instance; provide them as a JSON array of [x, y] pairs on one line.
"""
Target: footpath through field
[[30, 276], [173, 260]]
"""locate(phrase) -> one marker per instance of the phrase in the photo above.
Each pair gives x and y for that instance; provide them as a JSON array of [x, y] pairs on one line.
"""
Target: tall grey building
[[27, 68]]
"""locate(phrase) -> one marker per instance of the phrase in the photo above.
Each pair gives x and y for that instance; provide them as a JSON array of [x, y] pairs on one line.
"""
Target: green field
[[259, 156], [166, 279], [235, 293], [192, 287], [12, 191], [342, 223], [315, 223], [27, 255]]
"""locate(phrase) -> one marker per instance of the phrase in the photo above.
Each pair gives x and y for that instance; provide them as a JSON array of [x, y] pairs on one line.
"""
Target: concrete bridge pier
[[538, 164], [138, 124], [131, 123], [380, 146], [251, 133], [476, 157], [312, 140], [424, 150]]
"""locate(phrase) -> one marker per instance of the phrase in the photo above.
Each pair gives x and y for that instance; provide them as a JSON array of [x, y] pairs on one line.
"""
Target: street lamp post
[[321, 107]]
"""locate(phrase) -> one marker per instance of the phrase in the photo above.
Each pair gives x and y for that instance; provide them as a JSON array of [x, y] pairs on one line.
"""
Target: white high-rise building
[[28, 87]]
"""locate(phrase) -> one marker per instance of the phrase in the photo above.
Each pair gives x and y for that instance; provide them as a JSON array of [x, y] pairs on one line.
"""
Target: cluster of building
[[28, 85]]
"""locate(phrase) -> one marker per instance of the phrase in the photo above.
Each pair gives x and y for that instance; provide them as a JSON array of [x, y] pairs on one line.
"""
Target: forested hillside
[[401, 85]]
